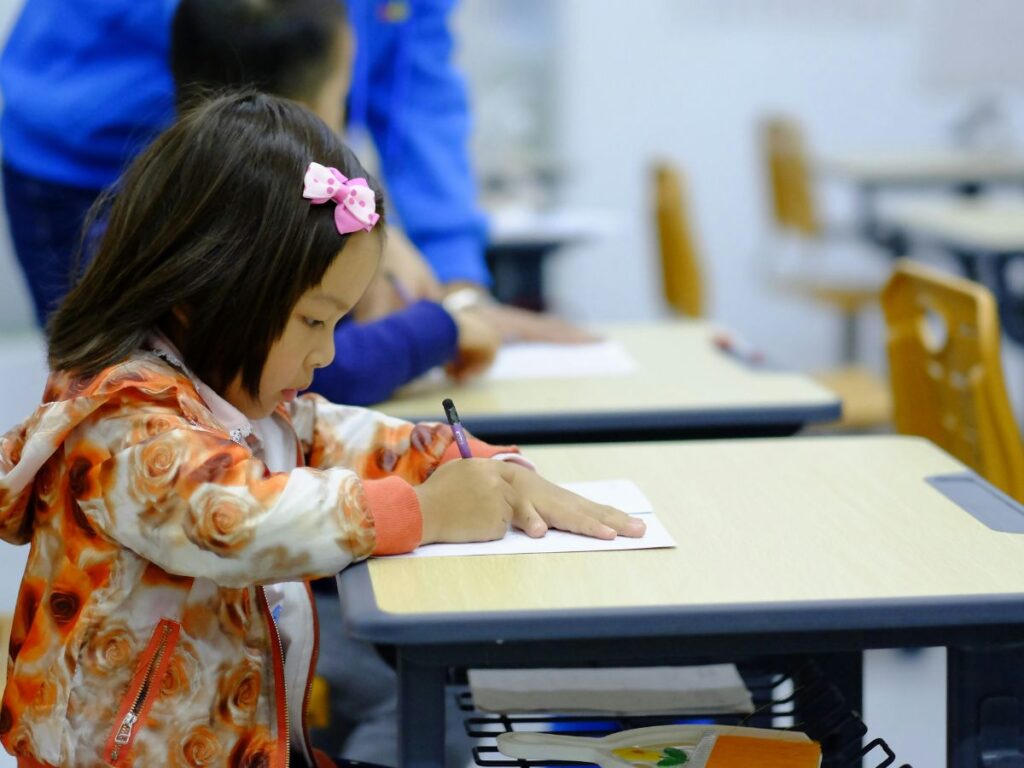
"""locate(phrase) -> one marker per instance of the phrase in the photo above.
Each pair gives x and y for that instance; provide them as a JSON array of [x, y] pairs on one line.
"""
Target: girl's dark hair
[[277, 46], [210, 221]]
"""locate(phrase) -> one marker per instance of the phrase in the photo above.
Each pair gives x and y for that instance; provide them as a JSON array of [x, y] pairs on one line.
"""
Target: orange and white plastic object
[[690, 746]]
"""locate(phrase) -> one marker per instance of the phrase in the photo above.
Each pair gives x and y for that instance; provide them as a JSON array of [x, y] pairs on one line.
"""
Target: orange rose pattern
[[200, 748], [219, 520], [140, 508]]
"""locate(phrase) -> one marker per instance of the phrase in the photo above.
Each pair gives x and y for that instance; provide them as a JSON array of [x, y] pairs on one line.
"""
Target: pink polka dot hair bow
[[356, 203]]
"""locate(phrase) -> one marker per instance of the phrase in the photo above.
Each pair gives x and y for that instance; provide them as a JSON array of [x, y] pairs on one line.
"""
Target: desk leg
[[825, 695], [518, 273], [867, 212], [985, 707], [846, 672], [1009, 296], [420, 714], [969, 264]]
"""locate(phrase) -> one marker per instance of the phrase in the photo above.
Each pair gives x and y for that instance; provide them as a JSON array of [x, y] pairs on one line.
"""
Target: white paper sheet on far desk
[[623, 494], [561, 361]]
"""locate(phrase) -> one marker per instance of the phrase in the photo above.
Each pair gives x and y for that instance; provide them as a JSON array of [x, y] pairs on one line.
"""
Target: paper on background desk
[[560, 361], [623, 494]]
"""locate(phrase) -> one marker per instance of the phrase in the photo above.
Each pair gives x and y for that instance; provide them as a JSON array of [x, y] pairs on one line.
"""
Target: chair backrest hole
[[934, 331]]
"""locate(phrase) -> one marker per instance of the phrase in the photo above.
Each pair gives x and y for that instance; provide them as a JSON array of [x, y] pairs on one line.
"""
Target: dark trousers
[[46, 221]]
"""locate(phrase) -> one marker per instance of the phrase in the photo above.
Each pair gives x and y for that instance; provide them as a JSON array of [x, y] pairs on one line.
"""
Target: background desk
[[684, 386], [520, 241], [786, 546], [963, 172], [986, 238]]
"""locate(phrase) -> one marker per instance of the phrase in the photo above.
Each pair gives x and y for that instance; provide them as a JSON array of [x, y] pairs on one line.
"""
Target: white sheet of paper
[[621, 493], [561, 361]]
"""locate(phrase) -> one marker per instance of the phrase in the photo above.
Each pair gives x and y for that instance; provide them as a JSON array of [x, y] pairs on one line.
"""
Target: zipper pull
[[124, 733]]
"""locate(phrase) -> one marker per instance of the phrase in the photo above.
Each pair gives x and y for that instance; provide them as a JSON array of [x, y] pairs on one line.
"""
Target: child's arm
[[373, 359], [463, 500], [375, 445], [200, 505]]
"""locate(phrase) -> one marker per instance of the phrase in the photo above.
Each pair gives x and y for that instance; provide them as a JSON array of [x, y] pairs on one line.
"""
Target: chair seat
[[866, 398], [848, 275], [846, 298]]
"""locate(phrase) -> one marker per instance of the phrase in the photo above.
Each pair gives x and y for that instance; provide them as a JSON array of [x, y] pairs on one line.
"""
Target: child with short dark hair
[[176, 490]]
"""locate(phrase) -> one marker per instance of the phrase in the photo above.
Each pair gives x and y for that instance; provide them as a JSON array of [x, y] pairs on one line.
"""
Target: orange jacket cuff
[[395, 509]]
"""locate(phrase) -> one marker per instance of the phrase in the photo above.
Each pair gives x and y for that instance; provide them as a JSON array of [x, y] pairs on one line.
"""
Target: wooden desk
[[938, 168], [964, 172], [786, 546], [987, 227], [683, 387], [985, 237]]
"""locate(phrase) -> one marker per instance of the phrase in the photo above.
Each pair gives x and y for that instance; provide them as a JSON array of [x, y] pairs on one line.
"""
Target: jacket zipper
[[312, 670], [300, 461], [151, 669], [281, 693]]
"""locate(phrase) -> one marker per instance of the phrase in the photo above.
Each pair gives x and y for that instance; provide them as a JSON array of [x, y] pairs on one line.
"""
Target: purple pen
[[456, 425]]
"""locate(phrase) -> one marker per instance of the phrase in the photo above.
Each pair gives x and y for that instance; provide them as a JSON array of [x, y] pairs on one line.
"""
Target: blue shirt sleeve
[[409, 95], [372, 360]]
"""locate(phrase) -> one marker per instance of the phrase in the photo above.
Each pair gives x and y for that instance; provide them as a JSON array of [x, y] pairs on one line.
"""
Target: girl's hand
[[478, 499], [478, 342]]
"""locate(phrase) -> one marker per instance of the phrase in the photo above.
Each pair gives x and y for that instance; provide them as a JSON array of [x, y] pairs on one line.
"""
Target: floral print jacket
[[142, 633]]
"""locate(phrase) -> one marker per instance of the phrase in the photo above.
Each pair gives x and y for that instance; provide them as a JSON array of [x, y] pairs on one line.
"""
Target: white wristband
[[463, 298]]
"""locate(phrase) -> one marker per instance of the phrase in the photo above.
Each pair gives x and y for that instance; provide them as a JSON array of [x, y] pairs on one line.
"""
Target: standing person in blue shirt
[[408, 95], [63, 145], [86, 86]]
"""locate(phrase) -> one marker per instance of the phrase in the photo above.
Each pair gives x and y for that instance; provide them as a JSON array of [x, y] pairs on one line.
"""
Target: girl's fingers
[[569, 513], [529, 521], [580, 522], [566, 511], [581, 515], [624, 525]]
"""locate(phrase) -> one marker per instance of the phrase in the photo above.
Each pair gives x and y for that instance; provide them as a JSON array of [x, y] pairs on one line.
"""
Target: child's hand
[[478, 499], [517, 324], [479, 341]]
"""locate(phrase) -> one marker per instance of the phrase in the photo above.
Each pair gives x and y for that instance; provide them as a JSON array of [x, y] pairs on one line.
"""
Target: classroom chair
[[847, 282], [682, 277], [865, 397], [318, 708], [946, 370]]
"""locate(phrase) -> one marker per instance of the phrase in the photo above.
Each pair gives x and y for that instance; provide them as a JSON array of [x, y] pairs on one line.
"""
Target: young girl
[[175, 490]]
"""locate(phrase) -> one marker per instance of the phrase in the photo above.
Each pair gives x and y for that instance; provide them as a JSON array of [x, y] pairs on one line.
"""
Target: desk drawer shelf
[[812, 705]]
